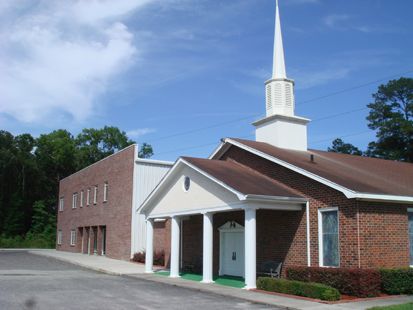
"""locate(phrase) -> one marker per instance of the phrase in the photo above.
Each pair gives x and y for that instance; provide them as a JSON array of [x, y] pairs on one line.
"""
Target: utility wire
[[354, 87], [344, 136], [182, 133]]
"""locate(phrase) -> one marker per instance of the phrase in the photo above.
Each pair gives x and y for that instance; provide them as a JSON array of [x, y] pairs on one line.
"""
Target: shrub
[[158, 258], [139, 257], [306, 289], [397, 281], [353, 282]]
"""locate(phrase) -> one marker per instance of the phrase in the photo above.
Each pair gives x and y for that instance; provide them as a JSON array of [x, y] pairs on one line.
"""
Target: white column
[[250, 248], [175, 247], [149, 246], [207, 248]]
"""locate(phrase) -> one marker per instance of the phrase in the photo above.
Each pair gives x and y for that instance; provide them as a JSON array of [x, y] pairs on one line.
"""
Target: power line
[[354, 87], [195, 147], [338, 114], [204, 128], [182, 133], [345, 136]]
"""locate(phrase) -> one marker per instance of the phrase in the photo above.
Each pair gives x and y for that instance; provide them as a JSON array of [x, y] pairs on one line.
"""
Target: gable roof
[[245, 183], [244, 180], [356, 176]]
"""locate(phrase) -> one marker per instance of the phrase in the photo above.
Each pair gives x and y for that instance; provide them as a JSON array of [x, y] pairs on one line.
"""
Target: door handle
[[234, 255]]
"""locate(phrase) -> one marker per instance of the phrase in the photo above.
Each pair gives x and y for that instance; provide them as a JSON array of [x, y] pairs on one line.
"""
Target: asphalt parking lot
[[28, 281]]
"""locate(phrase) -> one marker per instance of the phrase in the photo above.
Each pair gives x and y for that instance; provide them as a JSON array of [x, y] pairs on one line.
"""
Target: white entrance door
[[232, 251]]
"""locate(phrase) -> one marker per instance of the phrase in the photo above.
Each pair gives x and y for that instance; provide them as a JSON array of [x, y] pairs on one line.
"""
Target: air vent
[[268, 97]]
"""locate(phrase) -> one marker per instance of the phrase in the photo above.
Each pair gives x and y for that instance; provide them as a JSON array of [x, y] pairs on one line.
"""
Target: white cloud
[[56, 58], [137, 133], [335, 19]]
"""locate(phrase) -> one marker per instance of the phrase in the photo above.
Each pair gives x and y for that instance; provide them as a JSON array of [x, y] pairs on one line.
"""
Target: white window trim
[[88, 197], [95, 194], [61, 204], [73, 237], [81, 198], [74, 201], [409, 210], [105, 191], [320, 236], [59, 237]]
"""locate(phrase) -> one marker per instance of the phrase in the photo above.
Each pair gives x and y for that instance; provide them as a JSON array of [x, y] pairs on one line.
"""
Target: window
[[59, 237], [61, 203], [95, 195], [74, 201], [81, 198], [410, 214], [328, 237], [187, 184], [88, 197], [72, 237], [105, 191]]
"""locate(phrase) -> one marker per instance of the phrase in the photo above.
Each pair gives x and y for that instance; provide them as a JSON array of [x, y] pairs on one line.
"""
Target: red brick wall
[[115, 214], [162, 239], [389, 221], [384, 237]]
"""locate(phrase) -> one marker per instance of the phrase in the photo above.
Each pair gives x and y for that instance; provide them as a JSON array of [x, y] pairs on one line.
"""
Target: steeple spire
[[278, 71], [281, 127]]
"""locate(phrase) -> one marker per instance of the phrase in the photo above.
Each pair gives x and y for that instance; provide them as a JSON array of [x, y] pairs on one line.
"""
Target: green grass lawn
[[408, 306]]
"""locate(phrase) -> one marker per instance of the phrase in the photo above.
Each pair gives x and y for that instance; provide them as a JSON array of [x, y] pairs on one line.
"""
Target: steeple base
[[289, 132]]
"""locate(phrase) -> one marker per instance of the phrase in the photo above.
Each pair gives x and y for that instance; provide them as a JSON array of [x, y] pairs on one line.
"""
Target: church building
[[273, 199]]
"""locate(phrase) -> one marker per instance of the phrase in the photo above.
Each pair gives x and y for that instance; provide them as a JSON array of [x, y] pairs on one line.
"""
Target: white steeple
[[281, 127], [278, 69]]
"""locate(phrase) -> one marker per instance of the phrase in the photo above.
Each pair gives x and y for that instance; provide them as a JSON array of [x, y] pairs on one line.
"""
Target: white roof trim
[[347, 192], [154, 161], [240, 205]]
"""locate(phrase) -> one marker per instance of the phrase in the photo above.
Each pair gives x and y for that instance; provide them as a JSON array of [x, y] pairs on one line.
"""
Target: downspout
[[307, 211]]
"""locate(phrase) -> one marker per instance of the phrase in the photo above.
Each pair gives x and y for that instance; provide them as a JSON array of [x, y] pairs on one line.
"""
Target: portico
[[205, 190]]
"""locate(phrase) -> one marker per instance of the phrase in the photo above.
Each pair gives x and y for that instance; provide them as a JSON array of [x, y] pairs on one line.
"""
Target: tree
[[338, 146], [145, 151], [95, 144], [391, 115]]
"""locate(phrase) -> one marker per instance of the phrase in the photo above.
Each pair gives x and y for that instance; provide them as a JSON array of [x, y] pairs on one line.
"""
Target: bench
[[270, 268]]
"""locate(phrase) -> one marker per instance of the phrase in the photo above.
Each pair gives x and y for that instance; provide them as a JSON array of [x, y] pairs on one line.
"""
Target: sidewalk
[[117, 267], [97, 263]]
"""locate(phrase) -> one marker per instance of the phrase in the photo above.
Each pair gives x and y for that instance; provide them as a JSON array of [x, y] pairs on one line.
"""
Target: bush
[[158, 258], [353, 282], [397, 281], [306, 289], [139, 257]]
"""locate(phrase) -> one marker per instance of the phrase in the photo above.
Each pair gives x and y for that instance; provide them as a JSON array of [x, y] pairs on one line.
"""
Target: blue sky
[[161, 68]]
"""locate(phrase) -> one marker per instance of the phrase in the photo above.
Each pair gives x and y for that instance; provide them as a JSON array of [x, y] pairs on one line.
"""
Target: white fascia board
[[154, 161], [240, 196], [278, 199], [388, 198], [223, 208], [222, 147], [241, 205]]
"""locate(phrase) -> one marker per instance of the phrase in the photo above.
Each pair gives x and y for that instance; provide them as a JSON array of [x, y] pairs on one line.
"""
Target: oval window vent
[[187, 183]]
